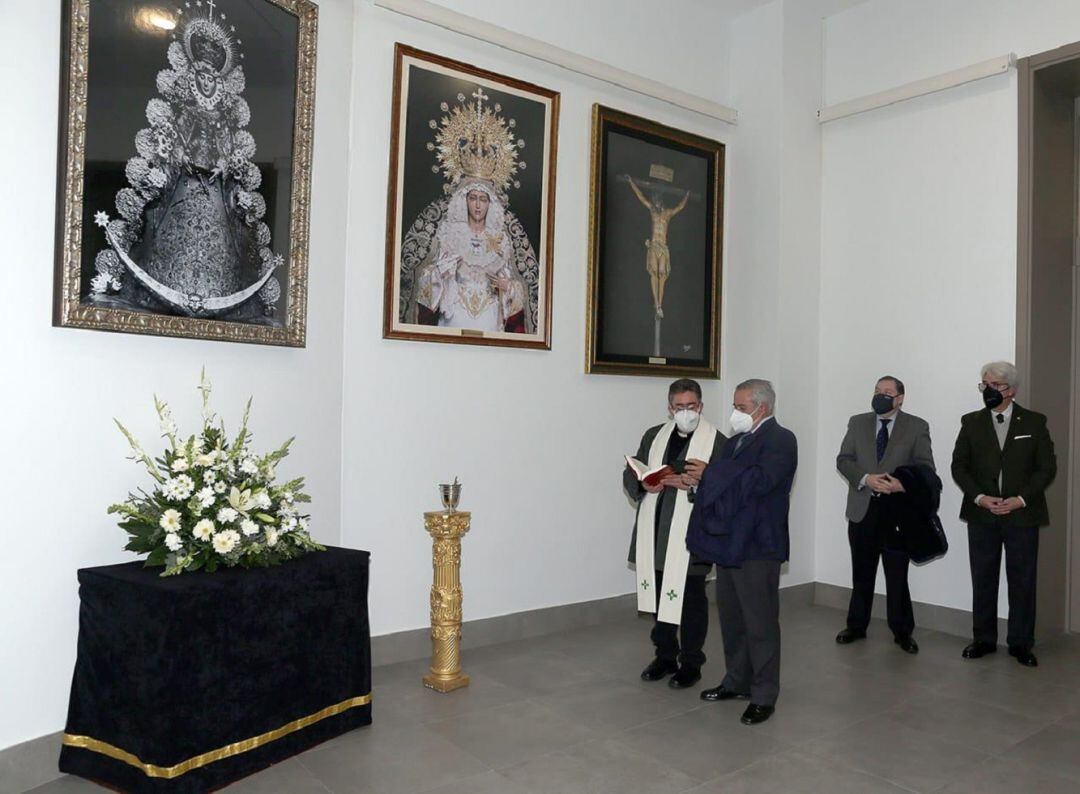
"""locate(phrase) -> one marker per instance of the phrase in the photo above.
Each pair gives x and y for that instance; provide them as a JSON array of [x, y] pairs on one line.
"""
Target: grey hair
[[761, 391], [1004, 371]]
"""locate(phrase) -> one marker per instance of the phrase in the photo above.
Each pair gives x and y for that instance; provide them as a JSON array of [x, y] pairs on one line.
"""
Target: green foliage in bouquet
[[214, 501]]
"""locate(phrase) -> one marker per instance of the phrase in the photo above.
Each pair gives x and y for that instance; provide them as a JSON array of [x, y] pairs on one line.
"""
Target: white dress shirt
[[1002, 430]]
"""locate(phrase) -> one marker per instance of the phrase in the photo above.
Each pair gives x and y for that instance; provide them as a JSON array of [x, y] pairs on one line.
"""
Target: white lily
[[241, 501]]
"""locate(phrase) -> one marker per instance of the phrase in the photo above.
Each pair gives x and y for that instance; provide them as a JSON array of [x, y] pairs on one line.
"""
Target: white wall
[[918, 273], [536, 442], [751, 286], [63, 460], [881, 44], [798, 236], [884, 242], [684, 44], [762, 275], [773, 282]]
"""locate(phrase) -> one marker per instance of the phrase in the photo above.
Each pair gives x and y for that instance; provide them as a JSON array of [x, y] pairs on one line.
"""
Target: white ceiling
[[726, 9]]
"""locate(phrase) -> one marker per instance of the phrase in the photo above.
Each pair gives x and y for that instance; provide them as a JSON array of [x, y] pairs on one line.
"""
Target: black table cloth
[[187, 683]]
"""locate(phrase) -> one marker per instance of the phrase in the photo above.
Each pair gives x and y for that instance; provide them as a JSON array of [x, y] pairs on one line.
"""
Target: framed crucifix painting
[[470, 221], [657, 208], [185, 167]]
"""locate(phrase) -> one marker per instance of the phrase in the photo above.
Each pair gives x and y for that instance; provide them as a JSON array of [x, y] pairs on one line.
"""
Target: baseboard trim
[[34, 763], [403, 646], [30, 764], [797, 595], [948, 620]]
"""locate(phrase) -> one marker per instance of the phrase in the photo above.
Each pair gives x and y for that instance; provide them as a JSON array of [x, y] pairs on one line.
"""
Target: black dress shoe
[[722, 693], [1024, 656], [977, 650], [755, 714], [907, 644], [685, 678], [657, 669], [848, 636]]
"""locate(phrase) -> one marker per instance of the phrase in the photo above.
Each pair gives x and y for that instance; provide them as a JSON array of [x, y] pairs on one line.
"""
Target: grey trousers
[[748, 599]]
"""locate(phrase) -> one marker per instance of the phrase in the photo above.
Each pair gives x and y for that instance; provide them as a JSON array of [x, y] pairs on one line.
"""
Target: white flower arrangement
[[214, 502]]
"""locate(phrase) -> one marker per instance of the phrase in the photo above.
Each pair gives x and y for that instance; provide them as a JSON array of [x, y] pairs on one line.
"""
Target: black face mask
[[882, 403], [992, 398]]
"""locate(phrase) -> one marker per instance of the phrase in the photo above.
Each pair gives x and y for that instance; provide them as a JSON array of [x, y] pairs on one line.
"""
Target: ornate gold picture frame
[[655, 242], [185, 168], [471, 211]]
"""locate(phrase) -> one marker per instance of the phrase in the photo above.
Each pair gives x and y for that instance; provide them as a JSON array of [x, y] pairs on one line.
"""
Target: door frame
[[1026, 73]]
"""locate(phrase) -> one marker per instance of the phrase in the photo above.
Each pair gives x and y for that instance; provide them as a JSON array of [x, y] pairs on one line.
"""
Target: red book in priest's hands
[[650, 477]]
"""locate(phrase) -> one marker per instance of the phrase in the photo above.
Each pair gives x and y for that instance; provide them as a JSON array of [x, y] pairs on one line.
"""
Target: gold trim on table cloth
[[228, 751]]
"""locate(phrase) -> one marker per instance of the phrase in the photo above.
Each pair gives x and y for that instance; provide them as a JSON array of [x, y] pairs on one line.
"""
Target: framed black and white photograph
[[185, 167], [657, 208], [470, 221]]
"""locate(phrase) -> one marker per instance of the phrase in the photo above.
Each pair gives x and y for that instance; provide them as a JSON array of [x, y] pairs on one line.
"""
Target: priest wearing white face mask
[[669, 582]]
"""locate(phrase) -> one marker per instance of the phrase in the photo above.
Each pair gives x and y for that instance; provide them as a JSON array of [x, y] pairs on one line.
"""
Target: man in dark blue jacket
[[740, 521]]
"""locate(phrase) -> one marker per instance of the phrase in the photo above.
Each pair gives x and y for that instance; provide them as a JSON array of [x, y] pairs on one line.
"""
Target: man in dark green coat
[[1003, 462]]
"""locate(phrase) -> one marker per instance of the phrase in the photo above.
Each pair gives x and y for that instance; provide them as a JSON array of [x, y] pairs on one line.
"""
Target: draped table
[[188, 683]]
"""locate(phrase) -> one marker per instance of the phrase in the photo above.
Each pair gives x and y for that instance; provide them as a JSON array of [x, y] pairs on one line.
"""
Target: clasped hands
[[884, 483], [999, 506], [500, 283], [684, 482]]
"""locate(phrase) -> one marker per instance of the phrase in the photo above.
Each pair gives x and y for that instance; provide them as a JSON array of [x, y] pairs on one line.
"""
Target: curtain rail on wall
[[534, 48], [918, 88]]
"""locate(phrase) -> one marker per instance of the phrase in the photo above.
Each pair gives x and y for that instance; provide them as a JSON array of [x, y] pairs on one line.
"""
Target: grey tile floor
[[566, 713]]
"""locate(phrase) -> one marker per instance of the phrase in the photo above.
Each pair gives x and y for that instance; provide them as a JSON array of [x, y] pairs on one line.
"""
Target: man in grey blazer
[[875, 445]]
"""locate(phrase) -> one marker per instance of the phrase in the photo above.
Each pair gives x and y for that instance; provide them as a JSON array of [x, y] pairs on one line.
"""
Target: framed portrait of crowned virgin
[[185, 168], [655, 242], [470, 221]]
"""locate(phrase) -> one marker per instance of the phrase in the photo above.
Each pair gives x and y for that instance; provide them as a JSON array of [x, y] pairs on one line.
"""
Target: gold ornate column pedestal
[[446, 530]]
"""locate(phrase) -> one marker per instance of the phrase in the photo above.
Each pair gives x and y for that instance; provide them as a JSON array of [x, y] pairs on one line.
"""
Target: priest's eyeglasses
[[997, 385], [694, 406]]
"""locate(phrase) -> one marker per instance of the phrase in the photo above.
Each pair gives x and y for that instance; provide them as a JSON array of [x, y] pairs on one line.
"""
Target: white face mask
[[741, 422], [687, 420]]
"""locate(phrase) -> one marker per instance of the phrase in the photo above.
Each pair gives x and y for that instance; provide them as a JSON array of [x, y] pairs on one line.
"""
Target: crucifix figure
[[657, 255], [211, 3]]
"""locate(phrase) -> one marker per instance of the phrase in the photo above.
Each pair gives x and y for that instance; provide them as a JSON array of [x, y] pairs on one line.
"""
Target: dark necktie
[[738, 443], [882, 438], [1001, 419]]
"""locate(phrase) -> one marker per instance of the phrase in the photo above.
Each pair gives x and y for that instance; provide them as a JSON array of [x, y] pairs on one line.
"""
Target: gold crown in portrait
[[472, 141]]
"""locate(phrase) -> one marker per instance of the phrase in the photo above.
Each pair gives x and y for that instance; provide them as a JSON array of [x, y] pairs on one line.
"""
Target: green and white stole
[[677, 558]]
